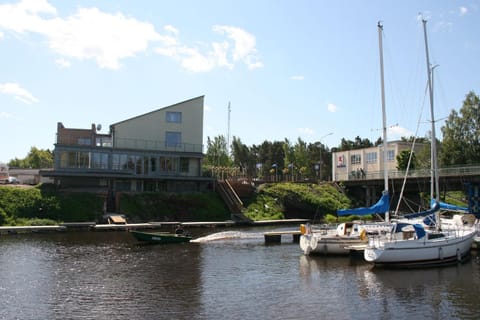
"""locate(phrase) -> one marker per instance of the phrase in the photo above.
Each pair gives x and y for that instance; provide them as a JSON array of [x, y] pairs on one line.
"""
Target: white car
[[12, 180]]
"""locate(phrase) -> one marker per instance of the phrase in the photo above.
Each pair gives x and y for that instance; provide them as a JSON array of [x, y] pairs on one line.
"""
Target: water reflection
[[444, 292], [229, 274], [70, 277]]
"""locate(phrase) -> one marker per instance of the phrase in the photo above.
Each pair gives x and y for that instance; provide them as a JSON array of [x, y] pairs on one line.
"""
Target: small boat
[[332, 241], [160, 237]]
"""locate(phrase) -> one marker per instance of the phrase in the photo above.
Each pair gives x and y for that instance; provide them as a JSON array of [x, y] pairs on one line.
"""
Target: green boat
[[160, 237]]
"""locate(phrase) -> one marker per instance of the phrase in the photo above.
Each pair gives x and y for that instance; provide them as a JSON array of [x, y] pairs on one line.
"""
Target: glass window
[[100, 160], [355, 159], [84, 141], [131, 163], [167, 164], [371, 157], [138, 165], [174, 116], [184, 164], [83, 160], [173, 139], [153, 164], [119, 161], [103, 142], [391, 155], [67, 159]]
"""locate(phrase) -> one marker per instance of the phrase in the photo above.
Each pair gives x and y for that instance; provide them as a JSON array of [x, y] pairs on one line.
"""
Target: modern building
[[158, 151], [368, 163]]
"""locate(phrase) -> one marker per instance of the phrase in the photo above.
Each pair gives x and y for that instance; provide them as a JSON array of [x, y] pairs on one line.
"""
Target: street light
[[321, 162]]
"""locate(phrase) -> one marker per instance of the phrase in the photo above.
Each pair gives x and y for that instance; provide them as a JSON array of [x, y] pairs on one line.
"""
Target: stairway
[[231, 199]]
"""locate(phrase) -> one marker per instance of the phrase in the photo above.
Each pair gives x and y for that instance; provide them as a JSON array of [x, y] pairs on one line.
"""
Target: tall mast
[[434, 183], [384, 113]]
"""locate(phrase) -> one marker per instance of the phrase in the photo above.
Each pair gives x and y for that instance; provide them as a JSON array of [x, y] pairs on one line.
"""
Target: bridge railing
[[396, 174]]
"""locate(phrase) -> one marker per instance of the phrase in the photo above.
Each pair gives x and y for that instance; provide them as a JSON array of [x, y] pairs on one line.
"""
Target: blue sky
[[289, 69]]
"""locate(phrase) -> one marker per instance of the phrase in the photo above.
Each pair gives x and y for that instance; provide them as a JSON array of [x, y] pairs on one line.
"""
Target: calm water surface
[[227, 275]]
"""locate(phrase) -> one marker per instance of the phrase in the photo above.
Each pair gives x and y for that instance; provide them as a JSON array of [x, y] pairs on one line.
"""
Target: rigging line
[[409, 160]]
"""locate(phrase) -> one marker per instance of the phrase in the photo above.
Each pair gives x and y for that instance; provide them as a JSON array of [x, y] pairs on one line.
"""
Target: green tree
[[243, 157], [402, 160], [35, 159], [358, 143], [217, 153], [461, 134]]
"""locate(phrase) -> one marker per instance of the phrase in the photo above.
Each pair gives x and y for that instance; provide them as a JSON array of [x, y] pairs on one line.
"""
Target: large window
[[355, 159], [184, 165], [391, 155], [167, 164], [84, 141], [173, 139], [153, 164], [119, 161], [174, 116], [100, 160], [371, 157]]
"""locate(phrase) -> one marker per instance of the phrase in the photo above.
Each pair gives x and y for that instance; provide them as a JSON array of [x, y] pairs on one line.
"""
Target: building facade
[[368, 163], [158, 151]]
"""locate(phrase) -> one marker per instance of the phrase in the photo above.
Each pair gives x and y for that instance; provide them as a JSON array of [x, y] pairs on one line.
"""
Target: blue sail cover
[[451, 207], [380, 207], [419, 230], [435, 207]]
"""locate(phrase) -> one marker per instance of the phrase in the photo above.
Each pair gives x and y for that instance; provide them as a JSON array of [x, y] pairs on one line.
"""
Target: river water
[[227, 274]]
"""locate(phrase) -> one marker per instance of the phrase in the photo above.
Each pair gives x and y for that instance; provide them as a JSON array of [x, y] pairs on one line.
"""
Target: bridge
[[370, 185]]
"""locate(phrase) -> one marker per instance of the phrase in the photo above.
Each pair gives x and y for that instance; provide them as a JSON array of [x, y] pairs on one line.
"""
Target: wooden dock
[[276, 236], [28, 229]]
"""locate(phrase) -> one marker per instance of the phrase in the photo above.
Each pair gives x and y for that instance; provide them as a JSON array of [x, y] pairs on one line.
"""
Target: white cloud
[[306, 131], [463, 11], [62, 63], [1, 35], [331, 107], [109, 38], [297, 77], [5, 115], [238, 47], [396, 132], [171, 29], [18, 92], [243, 45], [88, 34]]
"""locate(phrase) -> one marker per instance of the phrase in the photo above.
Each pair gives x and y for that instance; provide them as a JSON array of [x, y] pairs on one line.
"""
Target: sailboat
[[413, 245], [350, 236]]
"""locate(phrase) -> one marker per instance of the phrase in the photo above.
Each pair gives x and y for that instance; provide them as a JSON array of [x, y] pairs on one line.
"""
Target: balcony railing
[[127, 143], [157, 145]]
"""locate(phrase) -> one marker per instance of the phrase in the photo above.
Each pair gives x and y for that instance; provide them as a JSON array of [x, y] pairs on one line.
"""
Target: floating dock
[[276, 236]]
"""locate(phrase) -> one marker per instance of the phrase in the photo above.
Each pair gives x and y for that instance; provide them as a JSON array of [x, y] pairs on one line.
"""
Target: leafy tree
[[35, 159], [243, 157], [359, 143], [402, 160], [301, 156], [461, 134], [217, 153]]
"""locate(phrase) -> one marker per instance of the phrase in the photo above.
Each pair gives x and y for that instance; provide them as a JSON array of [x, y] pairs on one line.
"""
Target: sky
[[288, 69]]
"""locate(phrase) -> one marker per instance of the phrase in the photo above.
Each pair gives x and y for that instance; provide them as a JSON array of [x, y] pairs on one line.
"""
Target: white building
[[367, 163]]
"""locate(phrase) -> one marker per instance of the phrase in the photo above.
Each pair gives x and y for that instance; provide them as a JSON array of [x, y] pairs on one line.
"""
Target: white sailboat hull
[[453, 247], [328, 244]]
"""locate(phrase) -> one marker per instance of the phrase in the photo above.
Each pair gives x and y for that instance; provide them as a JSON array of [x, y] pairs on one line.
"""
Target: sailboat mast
[[384, 113], [434, 183]]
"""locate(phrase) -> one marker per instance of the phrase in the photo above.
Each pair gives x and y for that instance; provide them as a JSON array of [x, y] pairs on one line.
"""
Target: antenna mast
[[228, 129]]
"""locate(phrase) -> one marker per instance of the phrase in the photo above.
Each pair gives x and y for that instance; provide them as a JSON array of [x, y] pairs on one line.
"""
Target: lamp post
[[321, 162]]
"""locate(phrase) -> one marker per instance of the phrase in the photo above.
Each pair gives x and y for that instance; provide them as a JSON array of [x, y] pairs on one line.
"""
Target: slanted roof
[[163, 108]]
